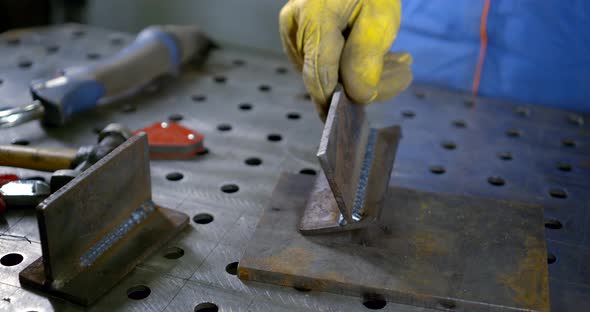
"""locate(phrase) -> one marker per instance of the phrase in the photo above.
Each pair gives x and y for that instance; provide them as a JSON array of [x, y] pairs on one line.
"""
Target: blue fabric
[[538, 51]]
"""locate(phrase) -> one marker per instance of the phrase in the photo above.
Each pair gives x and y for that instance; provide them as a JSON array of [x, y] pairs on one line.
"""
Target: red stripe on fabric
[[483, 46]]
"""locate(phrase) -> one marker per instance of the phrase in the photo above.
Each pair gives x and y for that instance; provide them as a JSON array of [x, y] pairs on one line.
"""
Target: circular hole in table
[[307, 171], [551, 258], [408, 114], [198, 98], [25, 64], [562, 166], [173, 253], [22, 142], [174, 176], [522, 111], [220, 79], [230, 188], [203, 218], [224, 127], [558, 193], [138, 292], [553, 224], [419, 94], [93, 56], [264, 88], [447, 304], [11, 259], [274, 137], [437, 169], [232, 268], [374, 302], [505, 156], [245, 106], [52, 49], [459, 124], [301, 288], [77, 33], [449, 145], [13, 41], [496, 181], [206, 307], [568, 142], [175, 117], [253, 161], [513, 133]]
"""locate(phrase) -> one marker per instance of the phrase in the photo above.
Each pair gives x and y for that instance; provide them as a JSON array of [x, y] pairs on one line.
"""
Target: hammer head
[[60, 178], [109, 138]]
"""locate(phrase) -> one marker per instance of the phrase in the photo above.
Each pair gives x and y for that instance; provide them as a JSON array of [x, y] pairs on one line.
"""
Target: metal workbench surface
[[258, 121]]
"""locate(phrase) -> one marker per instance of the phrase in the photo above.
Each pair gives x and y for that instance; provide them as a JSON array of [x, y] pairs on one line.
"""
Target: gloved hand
[[312, 35]]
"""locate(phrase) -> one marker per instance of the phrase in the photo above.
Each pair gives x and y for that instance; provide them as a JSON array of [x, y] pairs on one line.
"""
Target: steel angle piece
[[356, 162], [99, 226]]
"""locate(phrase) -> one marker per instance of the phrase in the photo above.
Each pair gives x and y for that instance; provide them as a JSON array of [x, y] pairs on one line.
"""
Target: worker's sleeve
[[537, 52]]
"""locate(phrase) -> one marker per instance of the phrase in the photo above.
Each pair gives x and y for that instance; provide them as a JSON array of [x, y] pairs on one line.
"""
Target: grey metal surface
[[429, 117]]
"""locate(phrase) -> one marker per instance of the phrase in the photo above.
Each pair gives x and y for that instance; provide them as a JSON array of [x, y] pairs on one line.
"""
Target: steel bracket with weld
[[356, 163], [99, 226]]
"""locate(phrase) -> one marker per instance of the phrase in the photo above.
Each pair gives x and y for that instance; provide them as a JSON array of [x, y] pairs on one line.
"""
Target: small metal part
[[432, 250], [61, 177], [97, 228], [24, 193], [356, 163], [115, 129], [170, 140], [15, 116]]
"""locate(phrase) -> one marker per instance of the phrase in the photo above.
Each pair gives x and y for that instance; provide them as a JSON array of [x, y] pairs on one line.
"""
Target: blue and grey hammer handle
[[157, 51]]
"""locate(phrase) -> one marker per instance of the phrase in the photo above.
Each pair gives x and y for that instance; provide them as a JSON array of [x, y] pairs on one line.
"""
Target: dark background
[[28, 13]]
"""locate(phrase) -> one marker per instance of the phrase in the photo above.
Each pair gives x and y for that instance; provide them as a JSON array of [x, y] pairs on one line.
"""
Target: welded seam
[[136, 217], [361, 189]]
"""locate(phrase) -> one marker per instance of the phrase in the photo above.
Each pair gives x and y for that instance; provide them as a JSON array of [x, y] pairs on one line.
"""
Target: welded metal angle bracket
[[99, 226], [356, 163]]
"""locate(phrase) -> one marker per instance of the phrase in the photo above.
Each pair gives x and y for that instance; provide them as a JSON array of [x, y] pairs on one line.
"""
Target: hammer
[[66, 163]]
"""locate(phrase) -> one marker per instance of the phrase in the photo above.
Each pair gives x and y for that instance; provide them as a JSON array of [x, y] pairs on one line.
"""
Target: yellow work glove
[[312, 35]]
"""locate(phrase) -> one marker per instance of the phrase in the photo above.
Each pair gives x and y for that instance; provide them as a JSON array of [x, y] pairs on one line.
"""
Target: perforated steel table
[[258, 121]]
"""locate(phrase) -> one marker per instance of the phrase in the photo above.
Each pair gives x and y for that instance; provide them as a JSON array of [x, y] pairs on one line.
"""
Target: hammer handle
[[36, 158]]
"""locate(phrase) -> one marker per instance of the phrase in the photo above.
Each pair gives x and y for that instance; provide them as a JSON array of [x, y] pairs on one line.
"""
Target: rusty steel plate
[[431, 250]]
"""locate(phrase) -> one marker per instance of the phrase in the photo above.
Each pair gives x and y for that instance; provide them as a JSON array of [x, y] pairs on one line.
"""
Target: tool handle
[[44, 159], [157, 51]]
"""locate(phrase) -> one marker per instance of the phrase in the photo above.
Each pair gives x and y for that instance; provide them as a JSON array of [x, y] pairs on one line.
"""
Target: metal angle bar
[[356, 163], [98, 227]]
